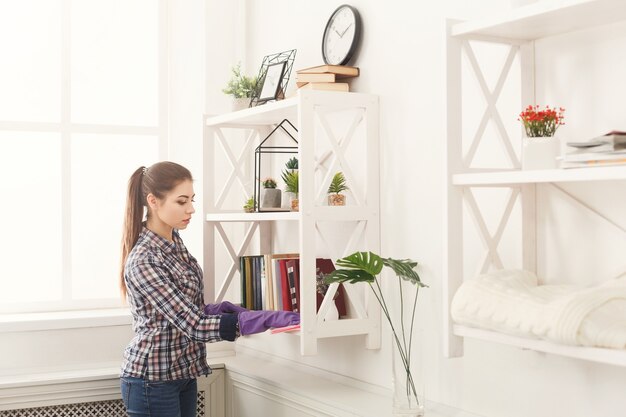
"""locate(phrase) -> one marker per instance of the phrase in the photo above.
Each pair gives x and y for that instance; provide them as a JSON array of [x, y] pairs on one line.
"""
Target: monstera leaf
[[404, 268]]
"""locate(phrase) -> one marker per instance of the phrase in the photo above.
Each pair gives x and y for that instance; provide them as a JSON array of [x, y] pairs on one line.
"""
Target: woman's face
[[176, 208]]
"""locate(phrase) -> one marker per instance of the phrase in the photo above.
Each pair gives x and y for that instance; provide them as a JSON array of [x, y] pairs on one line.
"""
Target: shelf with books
[[336, 131], [527, 196]]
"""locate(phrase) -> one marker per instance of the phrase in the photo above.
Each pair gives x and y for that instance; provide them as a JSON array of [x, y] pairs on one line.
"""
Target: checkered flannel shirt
[[165, 294]]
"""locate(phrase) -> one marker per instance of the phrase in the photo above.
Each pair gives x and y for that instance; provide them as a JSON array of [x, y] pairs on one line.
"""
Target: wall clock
[[341, 36]]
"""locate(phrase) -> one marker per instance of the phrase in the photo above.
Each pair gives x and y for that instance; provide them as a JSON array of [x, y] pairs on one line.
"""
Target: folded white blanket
[[511, 301]]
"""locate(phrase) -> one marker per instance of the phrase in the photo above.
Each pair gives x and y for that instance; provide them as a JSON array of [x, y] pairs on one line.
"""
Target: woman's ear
[[152, 201]]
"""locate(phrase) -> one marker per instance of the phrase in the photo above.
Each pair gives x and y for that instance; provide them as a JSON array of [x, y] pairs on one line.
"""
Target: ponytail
[[132, 220], [158, 180]]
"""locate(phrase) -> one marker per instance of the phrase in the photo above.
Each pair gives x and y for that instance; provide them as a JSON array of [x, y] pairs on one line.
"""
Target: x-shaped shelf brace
[[234, 255], [351, 293], [491, 111], [237, 163], [490, 242], [339, 145]]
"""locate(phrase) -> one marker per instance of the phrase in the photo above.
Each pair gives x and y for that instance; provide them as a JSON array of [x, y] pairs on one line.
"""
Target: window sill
[[29, 322]]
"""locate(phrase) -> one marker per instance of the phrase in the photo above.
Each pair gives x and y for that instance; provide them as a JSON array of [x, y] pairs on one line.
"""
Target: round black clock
[[341, 36]]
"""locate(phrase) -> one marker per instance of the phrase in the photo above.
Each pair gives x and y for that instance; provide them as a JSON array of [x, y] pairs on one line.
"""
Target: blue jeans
[[159, 398]]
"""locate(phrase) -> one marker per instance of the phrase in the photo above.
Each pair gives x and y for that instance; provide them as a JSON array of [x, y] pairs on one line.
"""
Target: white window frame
[[66, 129]]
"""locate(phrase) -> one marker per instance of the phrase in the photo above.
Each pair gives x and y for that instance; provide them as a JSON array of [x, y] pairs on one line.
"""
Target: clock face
[[341, 36]]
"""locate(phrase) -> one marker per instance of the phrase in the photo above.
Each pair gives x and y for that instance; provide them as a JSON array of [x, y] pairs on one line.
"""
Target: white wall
[[403, 60]]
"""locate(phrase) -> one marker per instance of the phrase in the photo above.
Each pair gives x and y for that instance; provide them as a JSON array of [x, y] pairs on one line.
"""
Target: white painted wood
[[519, 28], [602, 355], [544, 18], [453, 197], [311, 112], [500, 178]]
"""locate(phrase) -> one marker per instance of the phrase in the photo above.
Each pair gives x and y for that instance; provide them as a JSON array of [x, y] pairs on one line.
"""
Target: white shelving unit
[[333, 129], [519, 29]]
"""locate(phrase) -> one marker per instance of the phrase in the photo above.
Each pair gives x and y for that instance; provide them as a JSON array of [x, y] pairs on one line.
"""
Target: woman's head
[[161, 189]]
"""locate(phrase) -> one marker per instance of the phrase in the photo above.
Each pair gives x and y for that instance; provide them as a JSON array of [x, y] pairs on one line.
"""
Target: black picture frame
[[283, 62], [270, 89]]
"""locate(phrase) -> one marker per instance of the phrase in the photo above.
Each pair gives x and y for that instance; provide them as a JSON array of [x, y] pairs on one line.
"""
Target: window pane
[[30, 168], [101, 166], [30, 74], [115, 62]]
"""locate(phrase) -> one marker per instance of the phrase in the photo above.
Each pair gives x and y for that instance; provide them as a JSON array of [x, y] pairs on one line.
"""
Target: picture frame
[[271, 86], [273, 77]]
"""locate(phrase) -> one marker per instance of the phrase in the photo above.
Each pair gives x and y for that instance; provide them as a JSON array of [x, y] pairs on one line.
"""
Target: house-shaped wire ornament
[[285, 61], [262, 149]]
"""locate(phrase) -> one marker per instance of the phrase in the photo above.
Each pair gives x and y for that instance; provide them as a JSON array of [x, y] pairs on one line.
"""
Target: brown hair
[[158, 180]]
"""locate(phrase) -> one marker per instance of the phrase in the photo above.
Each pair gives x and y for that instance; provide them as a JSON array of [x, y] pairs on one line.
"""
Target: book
[[293, 278], [276, 277], [614, 136], [342, 71], [326, 266], [248, 279], [314, 78], [326, 86], [594, 156], [599, 163], [284, 283]]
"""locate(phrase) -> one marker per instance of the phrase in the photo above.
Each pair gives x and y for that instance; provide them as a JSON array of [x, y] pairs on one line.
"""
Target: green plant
[[250, 205], [338, 184], [364, 267], [240, 85], [292, 163], [291, 181], [269, 182]]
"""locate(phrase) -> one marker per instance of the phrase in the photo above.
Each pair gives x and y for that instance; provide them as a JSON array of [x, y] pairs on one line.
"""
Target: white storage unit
[[519, 29], [336, 132]]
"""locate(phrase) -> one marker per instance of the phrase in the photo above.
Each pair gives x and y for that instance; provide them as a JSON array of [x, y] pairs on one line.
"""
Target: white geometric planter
[[540, 153]]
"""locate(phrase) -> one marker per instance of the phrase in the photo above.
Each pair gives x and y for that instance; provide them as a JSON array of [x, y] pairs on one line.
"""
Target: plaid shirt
[[165, 294]]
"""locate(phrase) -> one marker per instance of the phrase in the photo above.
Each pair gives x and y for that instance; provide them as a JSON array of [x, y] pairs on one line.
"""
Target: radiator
[[93, 398], [110, 408]]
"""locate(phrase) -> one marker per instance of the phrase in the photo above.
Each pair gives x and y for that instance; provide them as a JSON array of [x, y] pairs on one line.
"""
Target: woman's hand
[[225, 307], [251, 322]]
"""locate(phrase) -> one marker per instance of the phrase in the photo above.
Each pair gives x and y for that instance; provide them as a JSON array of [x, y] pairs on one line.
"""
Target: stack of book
[[606, 150], [326, 77]]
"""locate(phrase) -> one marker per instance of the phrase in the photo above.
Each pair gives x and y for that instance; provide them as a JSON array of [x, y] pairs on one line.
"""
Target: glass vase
[[408, 384]]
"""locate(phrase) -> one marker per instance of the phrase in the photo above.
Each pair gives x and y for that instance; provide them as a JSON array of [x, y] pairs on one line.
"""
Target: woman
[[163, 285]]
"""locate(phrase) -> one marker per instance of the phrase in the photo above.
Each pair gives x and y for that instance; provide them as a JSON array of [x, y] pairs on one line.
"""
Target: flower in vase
[[541, 122]]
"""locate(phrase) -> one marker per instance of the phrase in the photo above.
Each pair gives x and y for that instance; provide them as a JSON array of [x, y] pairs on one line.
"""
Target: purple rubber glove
[[225, 307], [251, 322]]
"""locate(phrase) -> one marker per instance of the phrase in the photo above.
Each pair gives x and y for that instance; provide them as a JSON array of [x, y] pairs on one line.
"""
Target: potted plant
[[292, 164], [365, 267], [271, 195], [250, 205], [291, 186], [241, 87], [337, 185], [540, 148]]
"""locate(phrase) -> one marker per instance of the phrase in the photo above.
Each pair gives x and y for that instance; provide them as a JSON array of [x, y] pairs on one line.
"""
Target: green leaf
[[367, 261], [404, 268], [350, 275]]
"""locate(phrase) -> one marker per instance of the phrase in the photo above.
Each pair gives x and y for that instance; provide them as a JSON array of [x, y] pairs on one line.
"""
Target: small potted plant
[[241, 87], [540, 147], [292, 164], [291, 186], [337, 185], [250, 205], [271, 195]]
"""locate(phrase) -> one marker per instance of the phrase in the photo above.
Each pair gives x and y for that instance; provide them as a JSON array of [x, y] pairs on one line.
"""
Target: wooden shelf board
[[544, 18], [541, 176], [602, 355], [252, 217], [266, 114]]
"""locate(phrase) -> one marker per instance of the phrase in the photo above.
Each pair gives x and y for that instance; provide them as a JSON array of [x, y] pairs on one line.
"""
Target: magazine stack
[[606, 150]]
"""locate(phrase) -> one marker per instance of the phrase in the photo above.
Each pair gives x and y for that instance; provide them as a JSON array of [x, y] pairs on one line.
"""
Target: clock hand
[[345, 30], [337, 32]]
